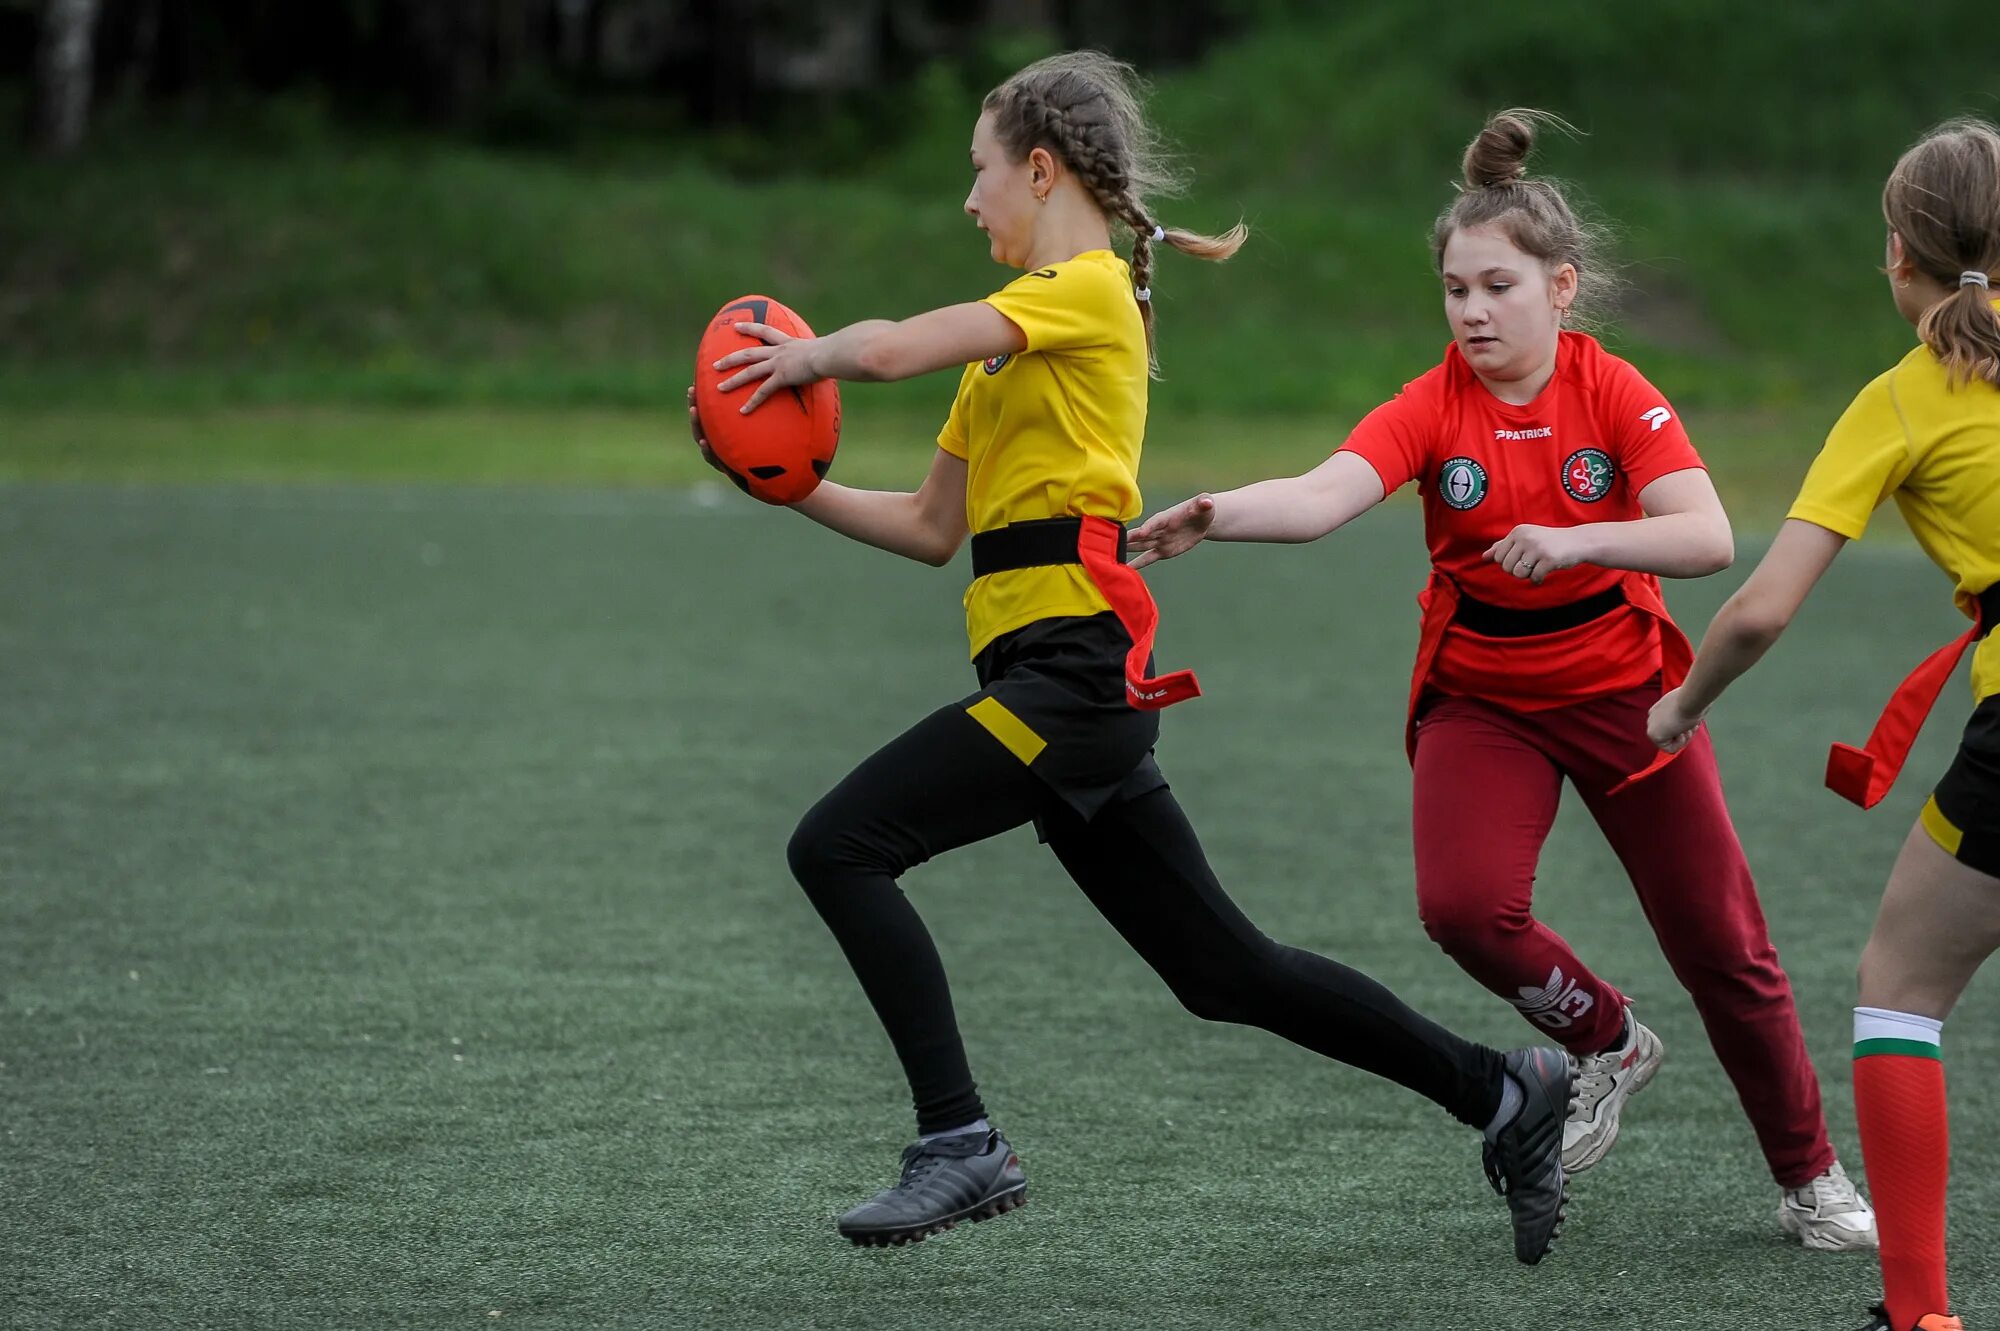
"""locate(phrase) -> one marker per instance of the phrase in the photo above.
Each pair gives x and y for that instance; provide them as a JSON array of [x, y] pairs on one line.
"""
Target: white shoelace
[[1830, 1193], [1595, 1075]]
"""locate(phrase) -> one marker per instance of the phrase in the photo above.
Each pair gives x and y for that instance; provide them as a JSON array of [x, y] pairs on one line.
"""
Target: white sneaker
[[1829, 1214], [1602, 1084]]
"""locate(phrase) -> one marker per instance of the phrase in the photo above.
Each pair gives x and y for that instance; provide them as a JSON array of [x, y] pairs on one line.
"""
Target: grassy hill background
[[281, 261]]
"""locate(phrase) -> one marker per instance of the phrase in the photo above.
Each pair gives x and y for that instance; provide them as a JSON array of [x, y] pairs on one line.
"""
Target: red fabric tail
[[1676, 659], [1864, 775], [1436, 603], [1125, 590]]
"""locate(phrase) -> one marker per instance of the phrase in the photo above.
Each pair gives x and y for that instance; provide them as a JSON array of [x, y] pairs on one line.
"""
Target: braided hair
[[1085, 108]]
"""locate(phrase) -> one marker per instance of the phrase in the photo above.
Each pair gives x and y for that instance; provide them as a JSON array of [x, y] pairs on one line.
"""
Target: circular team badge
[[995, 364], [1587, 475], [1461, 482]]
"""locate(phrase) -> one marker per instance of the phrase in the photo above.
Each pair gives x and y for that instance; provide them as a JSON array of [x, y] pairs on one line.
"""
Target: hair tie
[[1159, 234], [1144, 294], [1973, 278]]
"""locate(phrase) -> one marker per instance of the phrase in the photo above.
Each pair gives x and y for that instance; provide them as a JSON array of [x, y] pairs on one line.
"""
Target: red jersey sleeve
[[1396, 438], [1643, 427]]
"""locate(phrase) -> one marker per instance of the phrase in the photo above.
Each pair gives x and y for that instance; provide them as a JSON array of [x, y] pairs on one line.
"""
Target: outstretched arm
[[1746, 627], [874, 350], [1288, 510]]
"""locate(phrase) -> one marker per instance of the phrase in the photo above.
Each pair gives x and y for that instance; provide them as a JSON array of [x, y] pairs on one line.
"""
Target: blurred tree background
[[548, 71], [534, 203]]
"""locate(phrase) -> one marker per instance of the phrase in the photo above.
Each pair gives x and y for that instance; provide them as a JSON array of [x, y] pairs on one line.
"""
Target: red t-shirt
[[1581, 452]]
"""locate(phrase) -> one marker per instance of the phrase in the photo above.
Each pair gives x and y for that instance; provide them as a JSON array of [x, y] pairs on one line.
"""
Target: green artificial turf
[[395, 932]]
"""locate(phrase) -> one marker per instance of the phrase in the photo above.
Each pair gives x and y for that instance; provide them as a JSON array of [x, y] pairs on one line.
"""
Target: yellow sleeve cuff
[[1840, 524]]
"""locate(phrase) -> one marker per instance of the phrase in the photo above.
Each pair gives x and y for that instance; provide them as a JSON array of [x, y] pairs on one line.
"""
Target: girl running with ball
[[1928, 432], [1558, 487], [1039, 462]]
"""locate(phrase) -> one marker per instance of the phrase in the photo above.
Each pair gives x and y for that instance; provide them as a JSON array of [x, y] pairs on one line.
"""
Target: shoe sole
[[1562, 1204], [1813, 1239], [1599, 1146], [1562, 1183], [1011, 1200], [1562, 1217]]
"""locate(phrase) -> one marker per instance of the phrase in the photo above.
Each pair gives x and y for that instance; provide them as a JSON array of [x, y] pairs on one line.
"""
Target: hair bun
[[1499, 156]]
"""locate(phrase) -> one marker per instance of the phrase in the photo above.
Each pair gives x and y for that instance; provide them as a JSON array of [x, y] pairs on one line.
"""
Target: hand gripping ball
[[779, 452]]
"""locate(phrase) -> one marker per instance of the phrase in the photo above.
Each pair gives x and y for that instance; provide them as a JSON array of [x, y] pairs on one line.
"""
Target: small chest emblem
[[994, 364], [1461, 482], [1587, 475]]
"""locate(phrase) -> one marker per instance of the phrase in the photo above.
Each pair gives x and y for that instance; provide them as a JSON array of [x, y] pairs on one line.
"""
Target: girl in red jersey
[[1558, 486], [1928, 432]]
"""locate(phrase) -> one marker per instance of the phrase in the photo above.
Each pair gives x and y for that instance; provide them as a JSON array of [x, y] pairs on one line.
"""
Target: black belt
[[1499, 621], [1029, 545], [1989, 609]]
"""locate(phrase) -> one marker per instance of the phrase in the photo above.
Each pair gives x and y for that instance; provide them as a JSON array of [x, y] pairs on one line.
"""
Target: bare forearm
[[891, 520], [1737, 639], [1279, 511], [1295, 509], [1671, 545], [859, 351], [1760, 611]]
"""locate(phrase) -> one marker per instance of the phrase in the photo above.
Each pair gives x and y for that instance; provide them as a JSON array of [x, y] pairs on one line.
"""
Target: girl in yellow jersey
[[1039, 462], [1928, 433]]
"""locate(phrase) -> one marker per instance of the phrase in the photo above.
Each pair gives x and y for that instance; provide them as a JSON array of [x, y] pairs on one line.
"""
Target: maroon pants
[[1487, 783]]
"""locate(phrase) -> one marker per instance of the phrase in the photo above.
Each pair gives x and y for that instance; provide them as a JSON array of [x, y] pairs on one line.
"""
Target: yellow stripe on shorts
[[1940, 827], [1008, 728]]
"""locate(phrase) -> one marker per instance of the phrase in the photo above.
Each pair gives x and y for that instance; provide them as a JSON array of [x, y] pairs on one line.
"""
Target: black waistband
[[1030, 545], [1989, 609], [1499, 621]]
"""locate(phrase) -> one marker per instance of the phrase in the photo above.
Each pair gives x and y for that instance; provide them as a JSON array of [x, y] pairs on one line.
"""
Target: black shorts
[[1053, 692], [1963, 814]]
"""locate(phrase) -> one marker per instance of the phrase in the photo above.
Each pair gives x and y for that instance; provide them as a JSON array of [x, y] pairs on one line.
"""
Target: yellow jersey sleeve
[[1865, 458], [1066, 306], [952, 438]]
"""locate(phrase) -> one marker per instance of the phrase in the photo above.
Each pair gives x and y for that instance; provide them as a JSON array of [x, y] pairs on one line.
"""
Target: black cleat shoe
[[1524, 1161], [974, 1177]]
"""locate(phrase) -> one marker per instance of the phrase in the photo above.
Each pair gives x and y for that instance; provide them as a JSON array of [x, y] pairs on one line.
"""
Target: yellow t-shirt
[[1052, 432], [1937, 450]]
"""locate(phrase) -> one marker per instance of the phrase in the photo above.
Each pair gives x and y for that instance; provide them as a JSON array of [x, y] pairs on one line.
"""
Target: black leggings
[[946, 782]]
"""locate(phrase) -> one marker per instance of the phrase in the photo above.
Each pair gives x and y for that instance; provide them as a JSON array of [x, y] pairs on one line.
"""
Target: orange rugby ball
[[779, 452]]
